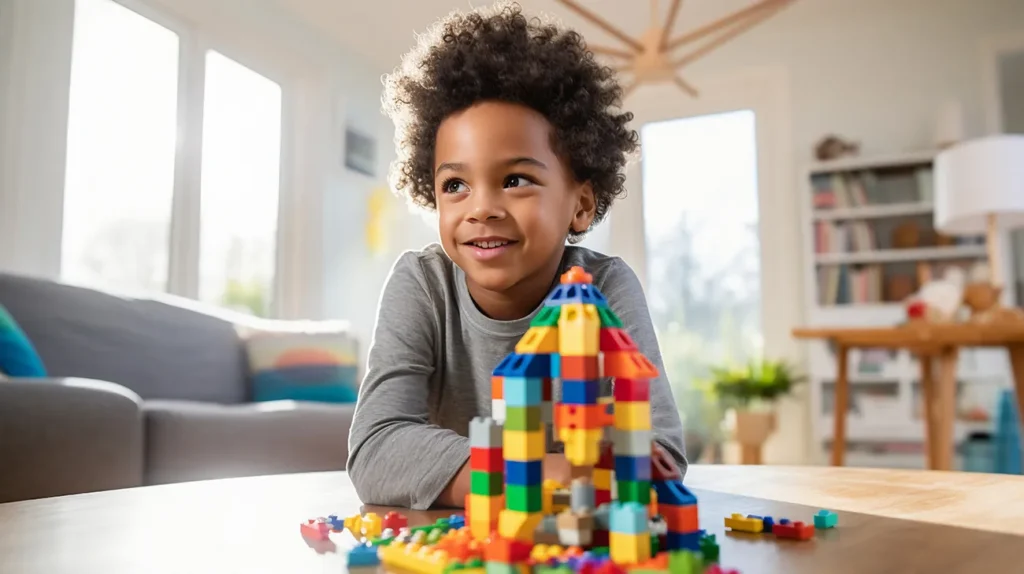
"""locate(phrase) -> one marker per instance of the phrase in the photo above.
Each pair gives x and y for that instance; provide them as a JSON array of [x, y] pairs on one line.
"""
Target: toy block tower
[[577, 338], [486, 464]]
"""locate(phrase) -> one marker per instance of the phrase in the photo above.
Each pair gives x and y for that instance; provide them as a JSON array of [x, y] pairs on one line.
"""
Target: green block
[[685, 562], [709, 548], [501, 568], [655, 545], [634, 491], [442, 523], [547, 317], [608, 317], [485, 483], [524, 498], [552, 569], [599, 551], [523, 418]]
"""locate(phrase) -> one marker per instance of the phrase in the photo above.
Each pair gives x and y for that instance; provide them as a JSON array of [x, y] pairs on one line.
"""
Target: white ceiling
[[383, 30]]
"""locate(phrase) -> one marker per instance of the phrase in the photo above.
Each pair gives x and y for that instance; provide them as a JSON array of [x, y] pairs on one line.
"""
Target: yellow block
[[519, 525], [538, 341], [548, 488], [373, 525], [633, 415], [484, 508], [579, 330], [415, 558], [602, 478], [582, 446], [523, 445], [629, 548], [482, 529]]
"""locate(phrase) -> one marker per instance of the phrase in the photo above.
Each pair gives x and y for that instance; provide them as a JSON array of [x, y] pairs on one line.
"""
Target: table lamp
[[979, 189]]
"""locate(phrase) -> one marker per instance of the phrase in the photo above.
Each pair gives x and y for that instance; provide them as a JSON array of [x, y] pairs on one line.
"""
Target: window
[[122, 130], [129, 223], [700, 206], [240, 180]]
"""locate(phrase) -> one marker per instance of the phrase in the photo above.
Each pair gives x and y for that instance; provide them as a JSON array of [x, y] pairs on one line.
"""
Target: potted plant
[[748, 392]]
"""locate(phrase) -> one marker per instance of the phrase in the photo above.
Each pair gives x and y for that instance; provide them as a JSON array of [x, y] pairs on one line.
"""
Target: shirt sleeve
[[396, 457], [626, 298]]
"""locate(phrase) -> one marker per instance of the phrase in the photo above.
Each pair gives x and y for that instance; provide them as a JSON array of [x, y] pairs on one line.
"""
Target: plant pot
[[752, 430]]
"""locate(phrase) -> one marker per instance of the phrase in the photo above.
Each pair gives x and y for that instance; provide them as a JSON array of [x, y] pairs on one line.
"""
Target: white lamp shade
[[977, 178]]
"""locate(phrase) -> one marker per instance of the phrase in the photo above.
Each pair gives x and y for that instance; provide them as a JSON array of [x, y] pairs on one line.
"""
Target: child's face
[[505, 199]]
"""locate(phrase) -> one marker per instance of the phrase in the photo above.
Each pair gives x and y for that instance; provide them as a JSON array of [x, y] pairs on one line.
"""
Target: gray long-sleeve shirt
[[429, 373]]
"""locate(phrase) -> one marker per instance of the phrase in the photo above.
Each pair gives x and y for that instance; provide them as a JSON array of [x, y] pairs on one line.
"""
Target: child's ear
[[586, 207]]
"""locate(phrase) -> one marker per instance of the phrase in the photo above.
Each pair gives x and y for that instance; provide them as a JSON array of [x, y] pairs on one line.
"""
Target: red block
[[615, 339], [632, 390], [579, 368], [546, 390], [394, 521], [486, 459], [794, 530], [600, 537], [315, 529], [601, 497], [607, 459], [507, 551]]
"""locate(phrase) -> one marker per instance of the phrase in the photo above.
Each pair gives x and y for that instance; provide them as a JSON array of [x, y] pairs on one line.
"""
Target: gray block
[[484, 432], [603, 517], [581, 495], [631, 443]]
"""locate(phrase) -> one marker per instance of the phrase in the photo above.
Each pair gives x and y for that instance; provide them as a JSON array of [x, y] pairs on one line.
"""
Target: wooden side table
[[936, 346]]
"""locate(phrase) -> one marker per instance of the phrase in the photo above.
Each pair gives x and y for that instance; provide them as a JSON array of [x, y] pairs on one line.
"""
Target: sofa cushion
[[18, 358], [158, 348], [310, 362], [197, 441]]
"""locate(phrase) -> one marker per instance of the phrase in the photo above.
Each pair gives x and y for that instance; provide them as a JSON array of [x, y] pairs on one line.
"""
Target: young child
[[508, 128]]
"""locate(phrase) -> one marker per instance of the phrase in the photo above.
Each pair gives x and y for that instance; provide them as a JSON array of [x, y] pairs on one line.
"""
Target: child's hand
[[557, 468]]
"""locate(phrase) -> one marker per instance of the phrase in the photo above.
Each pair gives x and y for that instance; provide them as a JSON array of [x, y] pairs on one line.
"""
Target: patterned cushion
[[18, 358], [317, 364]]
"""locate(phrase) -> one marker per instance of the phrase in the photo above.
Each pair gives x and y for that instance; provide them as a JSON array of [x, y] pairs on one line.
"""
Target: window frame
[[184, 247]]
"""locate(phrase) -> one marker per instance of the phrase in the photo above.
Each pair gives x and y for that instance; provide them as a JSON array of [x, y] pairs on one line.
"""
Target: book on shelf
[[846, 284], [868, 187], [844, 237]]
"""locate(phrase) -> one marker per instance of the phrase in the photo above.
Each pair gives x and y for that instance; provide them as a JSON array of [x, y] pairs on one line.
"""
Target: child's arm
[[627, 300], [396, 457]]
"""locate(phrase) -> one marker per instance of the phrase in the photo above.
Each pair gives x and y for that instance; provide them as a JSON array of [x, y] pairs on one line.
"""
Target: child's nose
[[487, 206]]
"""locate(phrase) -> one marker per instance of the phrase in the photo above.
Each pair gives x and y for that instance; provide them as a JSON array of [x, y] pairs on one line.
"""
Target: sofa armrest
[[68, 436]]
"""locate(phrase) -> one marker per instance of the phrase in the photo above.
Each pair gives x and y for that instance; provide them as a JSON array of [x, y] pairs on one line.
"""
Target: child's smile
[[506, 202]]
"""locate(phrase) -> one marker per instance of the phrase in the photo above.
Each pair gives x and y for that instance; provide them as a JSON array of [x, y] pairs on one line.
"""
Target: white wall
[[876, 71]]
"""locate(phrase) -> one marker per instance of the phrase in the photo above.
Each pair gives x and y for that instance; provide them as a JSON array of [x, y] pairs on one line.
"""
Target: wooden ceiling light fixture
[[650, 59]]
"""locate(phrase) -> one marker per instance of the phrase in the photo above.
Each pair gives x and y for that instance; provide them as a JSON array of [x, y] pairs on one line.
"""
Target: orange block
[[579, 368], [497, 387], [576, 274], [680, 518], [628, 365], [580, 416]]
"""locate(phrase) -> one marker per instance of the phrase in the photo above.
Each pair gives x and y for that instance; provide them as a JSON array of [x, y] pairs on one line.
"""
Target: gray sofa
[[144, 391]]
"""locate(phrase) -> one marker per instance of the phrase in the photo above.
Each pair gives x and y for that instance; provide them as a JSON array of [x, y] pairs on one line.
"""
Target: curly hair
[[504, 56]]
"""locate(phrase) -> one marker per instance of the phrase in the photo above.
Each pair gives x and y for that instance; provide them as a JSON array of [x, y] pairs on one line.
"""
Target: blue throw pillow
[[18, 358]]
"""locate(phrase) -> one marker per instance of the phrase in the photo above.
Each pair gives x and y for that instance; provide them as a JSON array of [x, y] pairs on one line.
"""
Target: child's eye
[[517, 181], [453, 186]]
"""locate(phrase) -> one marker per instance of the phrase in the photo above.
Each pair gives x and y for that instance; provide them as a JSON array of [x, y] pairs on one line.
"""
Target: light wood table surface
[[937, 348], [889, 521]]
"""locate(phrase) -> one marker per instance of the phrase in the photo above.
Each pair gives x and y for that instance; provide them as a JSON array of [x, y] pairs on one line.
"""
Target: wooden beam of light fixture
[[648, 58]]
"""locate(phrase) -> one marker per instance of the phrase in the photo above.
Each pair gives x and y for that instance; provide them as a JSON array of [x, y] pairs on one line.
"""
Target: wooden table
[[937, 347], [889, 521]]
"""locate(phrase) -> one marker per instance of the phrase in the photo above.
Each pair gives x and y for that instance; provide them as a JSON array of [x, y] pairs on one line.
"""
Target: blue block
[[337, 523], [575, 293], [523, 391], [456, 521], [363, 555], [580, 392], [766, 521], [825, 519], [634, 468], [628, 518], [673, 492], [688, 541], [524, 473], [515, 365]]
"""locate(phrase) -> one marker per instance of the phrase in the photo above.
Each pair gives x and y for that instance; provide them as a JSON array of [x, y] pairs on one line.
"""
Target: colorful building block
[[629, 548], [632, 390], [793, 530], [395, 521], [539, 340], [363, 555], [825, 519], [740, 523], [628, 518], [579, 330], [484, 432]]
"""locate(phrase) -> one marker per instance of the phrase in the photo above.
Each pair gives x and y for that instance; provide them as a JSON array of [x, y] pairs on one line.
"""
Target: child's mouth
[[489, 248]]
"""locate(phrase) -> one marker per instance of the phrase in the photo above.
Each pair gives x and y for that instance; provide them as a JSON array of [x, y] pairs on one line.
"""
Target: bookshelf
[[870, 243]]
